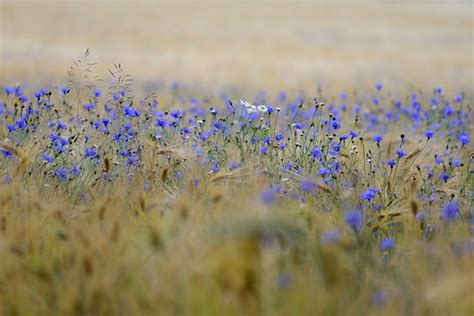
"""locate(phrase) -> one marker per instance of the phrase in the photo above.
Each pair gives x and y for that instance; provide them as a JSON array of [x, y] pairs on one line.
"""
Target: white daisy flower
[[262, 108]]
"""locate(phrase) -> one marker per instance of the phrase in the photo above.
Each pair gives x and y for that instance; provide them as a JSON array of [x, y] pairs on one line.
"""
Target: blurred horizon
[[274, 45]]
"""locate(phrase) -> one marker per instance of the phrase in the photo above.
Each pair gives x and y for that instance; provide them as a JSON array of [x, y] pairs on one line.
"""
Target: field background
[[272, 45]]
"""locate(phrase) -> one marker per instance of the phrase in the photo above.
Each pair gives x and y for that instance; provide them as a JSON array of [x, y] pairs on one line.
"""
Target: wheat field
[[236, 158]]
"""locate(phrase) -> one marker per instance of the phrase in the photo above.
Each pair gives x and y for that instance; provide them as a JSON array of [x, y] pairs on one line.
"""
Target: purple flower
[[308, 185], [8, 90], [47, 158], [353, 133], [11, 127], [378, 86], [6, 153], [21, 123], [264, 150], [61, 125], [89, 106], [464, 138], [90, 152], [61, 173], [316, 152], [64, 90], [267, 196], [401, 152], [429, 133], [369, 194], [354, 219], [324, 171], [279, 136], [130, 111], [450, 210], [391, 162], [75, 170], [378, 138], [444, 176], [387, 244]]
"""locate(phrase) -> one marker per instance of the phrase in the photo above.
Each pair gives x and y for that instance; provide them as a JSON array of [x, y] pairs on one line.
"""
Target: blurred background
[[271, 45]]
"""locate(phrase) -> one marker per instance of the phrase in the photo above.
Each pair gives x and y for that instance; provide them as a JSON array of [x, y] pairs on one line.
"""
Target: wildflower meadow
[[121, 197], [275, 204]]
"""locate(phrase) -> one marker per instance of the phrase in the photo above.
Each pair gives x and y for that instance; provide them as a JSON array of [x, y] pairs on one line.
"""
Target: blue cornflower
[[75, 170], [387, 244], [123, 152], [130, 111], [354, 219], [391, 162], [401, 152], [335, 124], [161, 122], [308, 185], [11, 127], [369, 194], [324, 171], [464, 138], [456, 162], [378, 138], [353, 133], [215, 168], [279, 136], [64, 90], [105, 121], [217, 124], [107, 107], [450, 210], [378, 86], [97, 93], [90, 152], [175, 113], [316, 152], [6, 153], [47, 157], [264, 150], [21, 123], [89, 106], [267, 196], [444, 176], [61, 173], [281, 96], [8, 90], [61, 125], [429, 133], [288, 165]]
